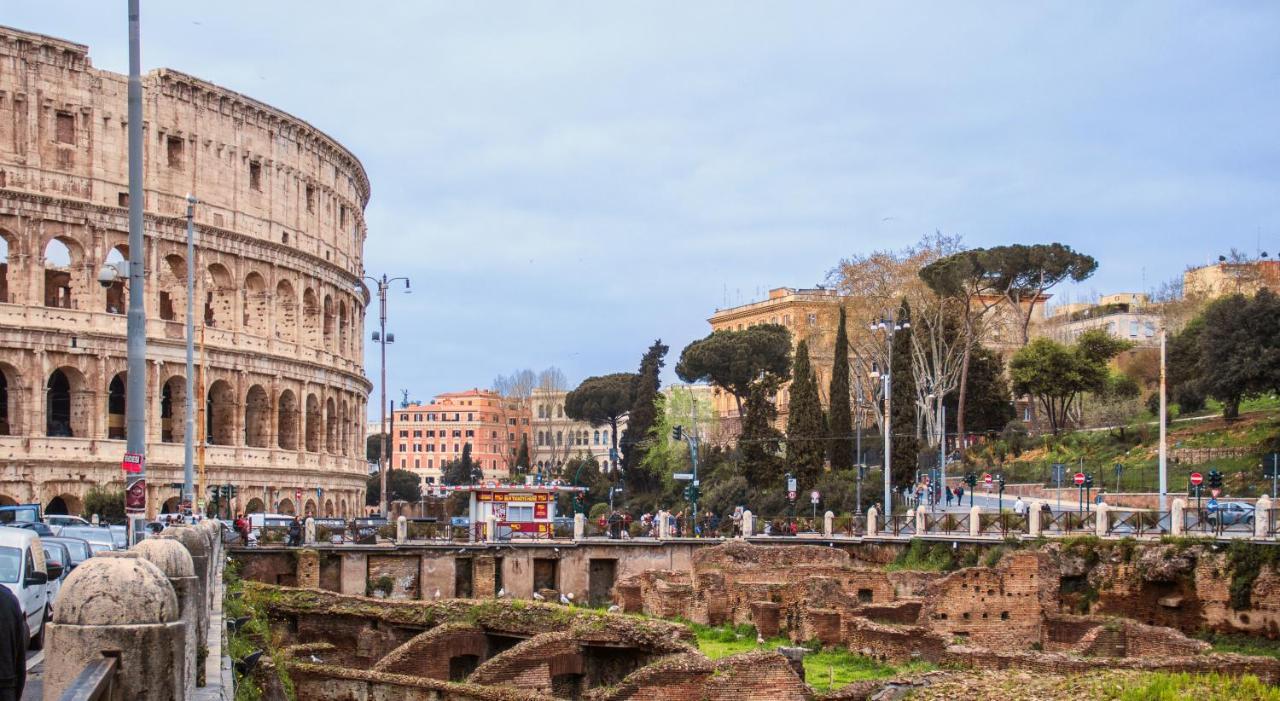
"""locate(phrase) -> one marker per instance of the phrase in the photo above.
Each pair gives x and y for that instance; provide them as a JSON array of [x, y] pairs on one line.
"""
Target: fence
[[1065, 522], [98, 681], [1002, 524], [957, 524], [1134, 522]]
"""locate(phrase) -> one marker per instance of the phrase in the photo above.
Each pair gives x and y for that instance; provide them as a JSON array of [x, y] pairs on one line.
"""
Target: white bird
[[538, 597], [759, 639], [615, 608], [570, 596], [316, 660], [564, 599], [437, 594], [502, 593]]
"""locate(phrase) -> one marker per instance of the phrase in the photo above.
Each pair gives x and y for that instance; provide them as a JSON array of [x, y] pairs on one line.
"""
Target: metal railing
[[901, 524], [957, 524], [1002, 524], [1064, 522], [1136, 522], [98, 681]]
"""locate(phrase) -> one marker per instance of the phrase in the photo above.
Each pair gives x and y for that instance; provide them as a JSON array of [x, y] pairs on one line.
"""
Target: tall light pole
[[890, 327], [381, 337], [857, 422], [1164, 408], [188, 447], [136, 387]]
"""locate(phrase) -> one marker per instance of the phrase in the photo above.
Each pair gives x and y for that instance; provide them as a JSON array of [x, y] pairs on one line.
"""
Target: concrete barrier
[[175, 562]]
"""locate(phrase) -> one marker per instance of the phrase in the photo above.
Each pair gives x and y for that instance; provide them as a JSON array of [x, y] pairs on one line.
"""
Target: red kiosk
[[520, 510]]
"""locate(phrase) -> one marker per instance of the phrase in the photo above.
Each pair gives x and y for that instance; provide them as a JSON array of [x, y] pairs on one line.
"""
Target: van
[[22, 570]]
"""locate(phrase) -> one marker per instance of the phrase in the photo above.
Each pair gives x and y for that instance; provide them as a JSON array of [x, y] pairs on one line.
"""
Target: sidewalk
[[219, 681]]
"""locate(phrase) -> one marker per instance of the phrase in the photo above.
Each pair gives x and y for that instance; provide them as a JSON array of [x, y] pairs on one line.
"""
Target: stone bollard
[[873, 522], [124, 605], [1100, 520], [402, 530], [975, 521], [309, 531], [579, 526], [748, 523], [197, 546], [175, 562], [664, 525], [490, 528], [921, 525], [1176, 517], [828, 521], [1033, 521], [1261, 516], [214, 528]]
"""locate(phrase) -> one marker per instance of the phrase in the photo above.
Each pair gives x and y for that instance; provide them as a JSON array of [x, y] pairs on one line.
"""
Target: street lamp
[[889, 326], [383, 338], [942, 438]]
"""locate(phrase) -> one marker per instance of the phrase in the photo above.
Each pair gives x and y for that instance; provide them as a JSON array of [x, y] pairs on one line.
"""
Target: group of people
[[681, 525]]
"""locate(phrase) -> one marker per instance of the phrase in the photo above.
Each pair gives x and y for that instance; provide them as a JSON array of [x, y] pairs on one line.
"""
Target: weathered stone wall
[[995, 607]]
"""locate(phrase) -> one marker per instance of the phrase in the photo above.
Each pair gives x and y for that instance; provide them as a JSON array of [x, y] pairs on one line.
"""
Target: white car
[[60, 520], [22, 570]]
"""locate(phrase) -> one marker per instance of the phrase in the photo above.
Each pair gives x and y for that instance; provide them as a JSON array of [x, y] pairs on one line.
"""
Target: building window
[[404, 417], [404, 434], [403, 448], [255, 176], [65, 128], [402, 463], [173, 147], [605, 436], [595, 439], [458, 434], [559, 410], [311, 198], [471, 434], [416, 463], [559, 438], [1133, 329], [786, 319], [417, 417], [417, 434]]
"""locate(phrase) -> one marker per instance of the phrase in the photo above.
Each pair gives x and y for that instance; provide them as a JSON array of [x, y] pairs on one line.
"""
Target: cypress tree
[[840, 415], [759, 441], [641, 418], [906, 447], [522, 457], [806, 426]]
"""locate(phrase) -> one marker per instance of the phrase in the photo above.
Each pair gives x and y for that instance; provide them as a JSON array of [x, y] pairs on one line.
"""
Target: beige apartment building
[[424, 437], [1128, 316], [556, 438], [1231, 277]]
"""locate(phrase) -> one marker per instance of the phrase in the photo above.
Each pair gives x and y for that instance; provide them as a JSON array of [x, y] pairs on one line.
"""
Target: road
[[35, 676]]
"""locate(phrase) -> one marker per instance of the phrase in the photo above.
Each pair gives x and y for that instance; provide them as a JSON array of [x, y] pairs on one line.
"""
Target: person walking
[[1020, 507], [295, 532], [13, 644]]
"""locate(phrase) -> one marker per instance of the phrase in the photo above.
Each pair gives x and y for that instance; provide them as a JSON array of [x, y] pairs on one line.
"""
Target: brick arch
[[330, 427], [344, 428], [432, 654], [328, 508], [173, 409], [286, 507], [310, 508], [255, 506], [310, 319], [171, 288], [12, 391], [115, 301], [256, 304], [328, 321], [220, 299], [344, 332], [220, 413], [257, 417], [286, 321], [315, 420], [63, 282], [117, 386], [9, 245], [287, 420], [67, 405]]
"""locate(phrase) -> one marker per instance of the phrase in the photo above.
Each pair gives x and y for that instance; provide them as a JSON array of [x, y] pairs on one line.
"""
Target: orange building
[[427, 436]]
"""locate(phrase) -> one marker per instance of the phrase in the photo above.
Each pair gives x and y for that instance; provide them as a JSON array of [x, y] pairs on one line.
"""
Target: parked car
[[19, 513], [78, 550], [59, 520], [1230, 513], [100, 538], [56, 559], [39, 528], [22, 570], [120, 536]]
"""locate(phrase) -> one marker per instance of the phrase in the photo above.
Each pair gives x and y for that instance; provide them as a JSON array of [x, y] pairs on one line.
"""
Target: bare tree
[[516, 391]]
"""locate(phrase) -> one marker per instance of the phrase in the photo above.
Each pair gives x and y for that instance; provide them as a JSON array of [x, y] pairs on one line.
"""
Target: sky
[[565, 182]]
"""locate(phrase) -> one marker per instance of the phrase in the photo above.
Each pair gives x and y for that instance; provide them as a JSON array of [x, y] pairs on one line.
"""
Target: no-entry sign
[[1197, 478], [1079, 478], [986, 477]]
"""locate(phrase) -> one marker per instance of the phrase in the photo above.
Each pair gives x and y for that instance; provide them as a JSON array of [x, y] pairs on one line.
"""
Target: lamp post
[[942, 439], [857, 422], [188, 434], [381, 337], [890, 327], [1164, 476], [136, 386]]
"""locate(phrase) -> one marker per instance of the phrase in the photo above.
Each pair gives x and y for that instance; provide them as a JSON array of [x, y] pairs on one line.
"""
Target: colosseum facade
[[279, 302]]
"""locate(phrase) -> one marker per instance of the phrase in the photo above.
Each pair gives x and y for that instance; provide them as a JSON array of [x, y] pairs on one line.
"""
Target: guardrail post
[[490, 528], [309, 532], [1261, 516], [197, 544], [402, 529], [827, 522], [1033, 521], [664, 525], [920, 521], [873, 522], [1176, 517], [975, 521], [579, 526], [1100, 523]]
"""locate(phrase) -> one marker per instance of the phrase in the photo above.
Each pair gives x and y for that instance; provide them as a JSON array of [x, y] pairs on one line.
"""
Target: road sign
[[814, 496], [1215, 492], [1197, 479], [986, 477], [791, 495], [682, 476], [791, 486], [298, 494], [1078, 478], [132, 462]]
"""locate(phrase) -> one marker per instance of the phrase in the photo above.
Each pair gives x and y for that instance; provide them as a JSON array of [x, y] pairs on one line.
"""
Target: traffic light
[[692, 492], [971, 479], [1000, 481], [1215, 479], [1088, 481], [677, 433], [217, 492]]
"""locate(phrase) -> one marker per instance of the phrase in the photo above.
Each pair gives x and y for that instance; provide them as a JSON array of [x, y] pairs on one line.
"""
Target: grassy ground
[[1101, 685], [824, 669], [1243, 644]]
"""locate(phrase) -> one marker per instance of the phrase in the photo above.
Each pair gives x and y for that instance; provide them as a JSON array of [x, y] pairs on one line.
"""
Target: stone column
[[920, 521], [402, 529], [1100, 520], [873, 522], [1176, 519], [827, 523], [307, 572], [1261, 516], [748, 523], [124, 605], [175, 562], [975, 521], [490, 528], [579, 526], [664, 526], [309, 532], [1033, 521]]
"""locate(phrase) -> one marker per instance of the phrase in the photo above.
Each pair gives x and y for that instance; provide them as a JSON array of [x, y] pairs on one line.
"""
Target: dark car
[[42, 529], [78, 548]]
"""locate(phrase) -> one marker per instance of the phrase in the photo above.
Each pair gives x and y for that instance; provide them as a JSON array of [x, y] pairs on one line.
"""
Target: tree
[[905, 447], [1239, 349], [641, 418], [1182, 367], [464, 470], [603, 400], [990, 406], [840, 416], [759, 441], [1057, 375], [806, 426], [516, 391], [106, 502], [402, 485], [735, 360], [373, 448], [522, 457]]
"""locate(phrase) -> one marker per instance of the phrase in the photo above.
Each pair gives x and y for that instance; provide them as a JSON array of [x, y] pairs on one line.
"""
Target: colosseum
[[278, 292]]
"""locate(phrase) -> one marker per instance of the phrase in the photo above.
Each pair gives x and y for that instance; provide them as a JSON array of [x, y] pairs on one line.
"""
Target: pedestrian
[[1019, 507], [295, 532], [13, 644], [949, 495], [959, 495]]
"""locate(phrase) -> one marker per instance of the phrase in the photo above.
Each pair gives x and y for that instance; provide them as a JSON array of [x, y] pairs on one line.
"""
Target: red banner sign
[[514, 496], [132, 462], [528, 527], [540, 511]]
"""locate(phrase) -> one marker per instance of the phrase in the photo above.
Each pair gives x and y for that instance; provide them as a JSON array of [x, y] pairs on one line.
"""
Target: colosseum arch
[[310, 508], [171, 288], [6, 244], [116, 425], [115, 301], [67, 409], [287, 421], [344, 332], [328, 323], [255, 304], [328, 508], [255, 506], [330, 427], [286, 321], [314, 428], [173, 410], [220, 299], [220, 414], [310, 319], [11, 392], [285, 507], [64, 504], [6, 500], [257, 418], [62, 257], [344, 428]]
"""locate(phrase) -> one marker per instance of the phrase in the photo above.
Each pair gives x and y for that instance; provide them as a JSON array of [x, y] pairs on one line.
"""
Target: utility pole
[[383, 339], [188, 437], [136, 386], [1164, 409], [889, 326], [857, 508]]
